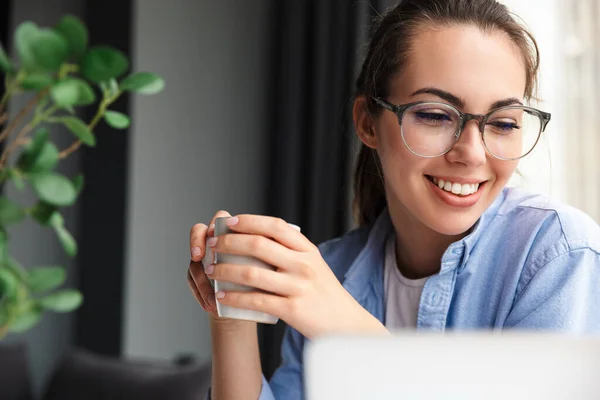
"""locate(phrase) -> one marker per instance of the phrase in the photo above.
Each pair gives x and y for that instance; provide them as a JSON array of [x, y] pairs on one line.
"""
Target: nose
[[469, 149]]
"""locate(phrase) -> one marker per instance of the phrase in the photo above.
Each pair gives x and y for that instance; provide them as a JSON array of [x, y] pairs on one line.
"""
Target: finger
[[197, 240], [257, 246], [276, 282], [198, 235], [257, 301], [195, 291], [271, 227], [203, 285]]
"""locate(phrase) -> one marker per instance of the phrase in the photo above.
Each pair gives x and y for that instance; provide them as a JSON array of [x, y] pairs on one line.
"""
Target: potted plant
[[61, 72]]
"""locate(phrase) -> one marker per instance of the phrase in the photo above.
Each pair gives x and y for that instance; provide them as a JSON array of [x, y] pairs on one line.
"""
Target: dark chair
[[83, 375], [14, 373]]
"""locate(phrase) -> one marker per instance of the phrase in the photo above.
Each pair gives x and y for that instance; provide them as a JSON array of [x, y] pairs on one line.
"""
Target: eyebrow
[[460, 103]]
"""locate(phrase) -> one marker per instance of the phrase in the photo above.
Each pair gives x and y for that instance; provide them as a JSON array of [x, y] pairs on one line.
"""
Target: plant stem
[[10, 88], [77, 144], [22, 114], [101, 110]]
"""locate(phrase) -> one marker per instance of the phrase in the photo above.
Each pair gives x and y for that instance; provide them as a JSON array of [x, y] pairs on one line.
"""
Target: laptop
[[465, 366]]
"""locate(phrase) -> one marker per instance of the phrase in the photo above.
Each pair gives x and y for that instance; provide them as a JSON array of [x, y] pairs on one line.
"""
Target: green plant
[[60, 72]]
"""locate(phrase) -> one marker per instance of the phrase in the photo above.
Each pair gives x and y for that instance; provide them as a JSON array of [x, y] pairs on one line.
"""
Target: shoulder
[[339, 253], [552, 233], [551, 221]]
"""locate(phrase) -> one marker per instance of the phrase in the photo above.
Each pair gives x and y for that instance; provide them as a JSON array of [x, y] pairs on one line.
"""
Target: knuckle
[[221, 213], [302, 287], [257, 302], [197, 229], [252, 275], [294, 307], [257, 243], [306, 269], [279, 224]]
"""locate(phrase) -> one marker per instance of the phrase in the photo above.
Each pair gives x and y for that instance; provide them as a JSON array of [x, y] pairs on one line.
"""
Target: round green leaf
[[42, 213], [103, 63], [13, 266], [53, 188], [10, 212], [143, 83], [66, 239], [26, 319], [78, 183], [72, 92], [16, 177], [36, 81], [50, 50], [39, 155], [63, 301], [75, 32], [42, 279], [5, 64], [8, 283], [116, 119], [25, 34], [80, 130], [47, 159]]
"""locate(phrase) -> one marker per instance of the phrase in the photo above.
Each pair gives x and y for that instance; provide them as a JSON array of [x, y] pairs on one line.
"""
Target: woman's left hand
[[303, 291]]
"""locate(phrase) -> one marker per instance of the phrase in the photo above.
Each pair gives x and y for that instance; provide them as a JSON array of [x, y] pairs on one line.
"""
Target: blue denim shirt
[[529, 263]]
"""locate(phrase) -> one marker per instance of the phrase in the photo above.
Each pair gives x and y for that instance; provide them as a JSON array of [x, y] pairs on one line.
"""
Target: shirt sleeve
[[562, 295], [287, 381]]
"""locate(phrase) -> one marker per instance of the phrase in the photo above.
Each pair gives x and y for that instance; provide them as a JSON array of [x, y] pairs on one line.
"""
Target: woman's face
[[474, 70]]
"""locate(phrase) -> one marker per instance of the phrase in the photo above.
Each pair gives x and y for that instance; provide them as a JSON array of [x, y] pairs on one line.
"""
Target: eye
[[432, 117], [504, 127]]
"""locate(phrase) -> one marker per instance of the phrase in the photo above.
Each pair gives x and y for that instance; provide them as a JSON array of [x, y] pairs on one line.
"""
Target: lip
[[456, 201]]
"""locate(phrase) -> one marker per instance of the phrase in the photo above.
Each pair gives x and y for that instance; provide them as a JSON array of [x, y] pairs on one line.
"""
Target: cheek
[[504, 170]]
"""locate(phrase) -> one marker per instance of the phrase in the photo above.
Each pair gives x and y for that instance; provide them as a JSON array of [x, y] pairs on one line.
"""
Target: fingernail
[[220, 295], [232, 221], [209, 269], [212, 242], [196, 252]]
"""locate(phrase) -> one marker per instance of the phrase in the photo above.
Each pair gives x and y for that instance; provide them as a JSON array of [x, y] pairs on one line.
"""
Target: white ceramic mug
[[224, 311]]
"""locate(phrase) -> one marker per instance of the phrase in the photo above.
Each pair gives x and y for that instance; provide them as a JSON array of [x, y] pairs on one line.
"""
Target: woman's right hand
[[197, 280]]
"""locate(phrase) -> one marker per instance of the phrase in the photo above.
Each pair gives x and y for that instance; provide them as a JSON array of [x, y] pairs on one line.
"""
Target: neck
[[419, 249]]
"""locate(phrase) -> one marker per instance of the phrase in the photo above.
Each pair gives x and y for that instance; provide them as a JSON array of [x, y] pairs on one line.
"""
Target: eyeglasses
[[430, 129]]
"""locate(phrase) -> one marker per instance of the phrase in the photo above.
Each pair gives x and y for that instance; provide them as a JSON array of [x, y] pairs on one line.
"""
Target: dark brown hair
[[387, 53]]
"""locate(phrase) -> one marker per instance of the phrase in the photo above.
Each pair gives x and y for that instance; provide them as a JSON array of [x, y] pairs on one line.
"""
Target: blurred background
[[254, 119]]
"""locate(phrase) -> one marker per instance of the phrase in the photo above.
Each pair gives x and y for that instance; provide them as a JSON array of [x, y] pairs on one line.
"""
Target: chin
[[454, 225]]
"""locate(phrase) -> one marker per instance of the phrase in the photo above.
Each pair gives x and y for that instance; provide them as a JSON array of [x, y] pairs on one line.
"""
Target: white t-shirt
[[402, 295]]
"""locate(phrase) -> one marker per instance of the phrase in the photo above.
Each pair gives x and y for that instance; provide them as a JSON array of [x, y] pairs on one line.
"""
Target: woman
[[442, 244]]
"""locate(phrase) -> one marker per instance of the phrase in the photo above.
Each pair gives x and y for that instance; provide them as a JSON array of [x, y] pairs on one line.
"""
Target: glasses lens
[[512, 132], [429, 129]]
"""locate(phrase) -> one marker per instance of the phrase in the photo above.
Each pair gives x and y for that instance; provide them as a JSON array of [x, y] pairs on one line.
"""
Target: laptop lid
[[453, 366]]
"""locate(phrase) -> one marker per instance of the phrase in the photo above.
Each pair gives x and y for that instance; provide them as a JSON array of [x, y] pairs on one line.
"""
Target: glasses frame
[[482, 119]]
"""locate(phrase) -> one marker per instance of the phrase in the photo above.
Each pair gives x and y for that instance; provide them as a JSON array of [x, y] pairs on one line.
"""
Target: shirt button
[[435, 299]]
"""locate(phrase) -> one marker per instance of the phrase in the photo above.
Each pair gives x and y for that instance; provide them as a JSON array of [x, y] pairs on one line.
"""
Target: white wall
[[544, 170], [212, 55]]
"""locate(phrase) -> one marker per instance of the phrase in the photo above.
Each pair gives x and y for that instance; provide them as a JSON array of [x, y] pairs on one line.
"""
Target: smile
[[465, 193]]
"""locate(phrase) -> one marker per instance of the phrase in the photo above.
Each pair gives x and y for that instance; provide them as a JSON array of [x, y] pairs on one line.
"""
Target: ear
[[364, 122]]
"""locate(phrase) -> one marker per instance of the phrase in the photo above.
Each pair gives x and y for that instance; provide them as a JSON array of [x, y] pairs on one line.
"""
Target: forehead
[[480, 67]]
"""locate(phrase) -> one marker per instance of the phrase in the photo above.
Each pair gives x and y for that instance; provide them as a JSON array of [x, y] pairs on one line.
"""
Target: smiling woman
[[442, 112]]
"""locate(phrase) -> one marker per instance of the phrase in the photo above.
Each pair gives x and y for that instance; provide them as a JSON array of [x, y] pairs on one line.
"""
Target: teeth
[[456, 188]]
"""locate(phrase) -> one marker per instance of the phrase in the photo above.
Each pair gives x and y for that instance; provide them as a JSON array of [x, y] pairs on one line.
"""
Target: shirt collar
[[368, 265]]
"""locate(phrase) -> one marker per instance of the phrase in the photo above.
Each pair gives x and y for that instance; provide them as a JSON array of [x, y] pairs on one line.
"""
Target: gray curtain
[[316, 53]]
